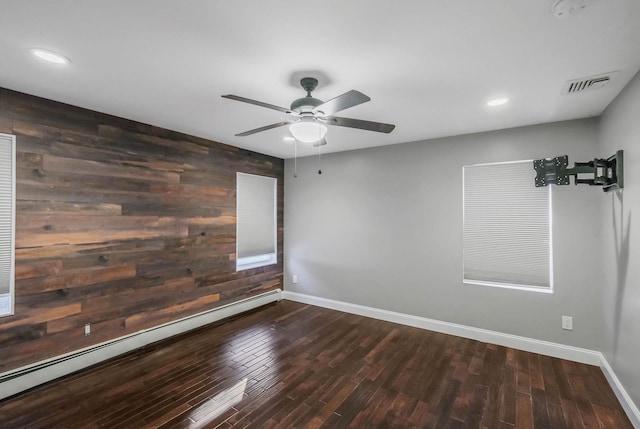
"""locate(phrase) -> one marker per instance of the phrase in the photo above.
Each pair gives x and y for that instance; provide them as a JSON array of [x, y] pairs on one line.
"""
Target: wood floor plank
[[571, 414], [540, 412], [524, 411], [290, 365]]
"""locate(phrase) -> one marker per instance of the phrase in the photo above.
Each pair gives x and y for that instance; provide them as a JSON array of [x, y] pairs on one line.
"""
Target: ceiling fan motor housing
[[308, 103], [305, 104]]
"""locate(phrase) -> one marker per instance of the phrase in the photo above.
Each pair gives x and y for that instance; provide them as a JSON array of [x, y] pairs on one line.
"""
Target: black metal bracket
[[608, 173]]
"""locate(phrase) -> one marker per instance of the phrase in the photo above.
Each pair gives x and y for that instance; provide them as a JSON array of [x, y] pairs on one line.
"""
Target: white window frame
[[260, 260], [7, 300], [510, 285]]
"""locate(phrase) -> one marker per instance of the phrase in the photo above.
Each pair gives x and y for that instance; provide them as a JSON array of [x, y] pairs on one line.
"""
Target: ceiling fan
[[310, 115]]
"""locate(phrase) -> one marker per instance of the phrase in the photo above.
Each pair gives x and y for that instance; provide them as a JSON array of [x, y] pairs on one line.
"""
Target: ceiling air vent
[[587, 83]]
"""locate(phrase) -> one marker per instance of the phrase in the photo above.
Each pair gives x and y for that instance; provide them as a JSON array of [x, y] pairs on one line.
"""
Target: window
[[256, 221], [7, 221], [507, 227]]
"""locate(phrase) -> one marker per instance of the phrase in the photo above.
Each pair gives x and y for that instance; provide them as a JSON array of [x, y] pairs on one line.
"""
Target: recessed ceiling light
[[497, 102], [52, 57]]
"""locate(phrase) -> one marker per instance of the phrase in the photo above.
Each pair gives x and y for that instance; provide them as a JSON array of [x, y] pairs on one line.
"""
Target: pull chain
[[295, 158], [319, 159], [319, 146]]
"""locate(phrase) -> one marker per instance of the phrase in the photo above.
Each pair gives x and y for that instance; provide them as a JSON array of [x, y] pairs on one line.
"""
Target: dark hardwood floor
[[289, 365]]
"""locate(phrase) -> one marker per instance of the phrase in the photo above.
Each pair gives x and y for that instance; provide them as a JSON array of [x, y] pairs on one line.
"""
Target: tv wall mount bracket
[[607, 173]]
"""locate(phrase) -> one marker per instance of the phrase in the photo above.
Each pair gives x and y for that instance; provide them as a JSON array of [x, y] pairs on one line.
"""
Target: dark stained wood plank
[[571, 414], [524, 411], [6, 125], [120, 134], [37, 269], [41, 315], [550, 378], [508, 396], [540, 412], [86, 209], [588, 416], [556, 414]]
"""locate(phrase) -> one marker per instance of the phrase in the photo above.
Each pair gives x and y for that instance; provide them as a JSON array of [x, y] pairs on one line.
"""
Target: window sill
[[527, 288]]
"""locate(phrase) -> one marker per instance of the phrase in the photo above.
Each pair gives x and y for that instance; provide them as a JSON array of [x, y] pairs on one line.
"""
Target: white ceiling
[[429, 67]]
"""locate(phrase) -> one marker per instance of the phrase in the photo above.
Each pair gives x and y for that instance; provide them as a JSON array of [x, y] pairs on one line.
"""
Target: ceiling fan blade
[[260, 103], [359, 123], [265, 128], [341, 102], [320, 143]]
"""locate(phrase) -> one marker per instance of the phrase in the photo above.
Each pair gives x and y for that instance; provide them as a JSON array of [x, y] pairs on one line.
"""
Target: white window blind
[[7, 222], [255, 221], [507, 227]]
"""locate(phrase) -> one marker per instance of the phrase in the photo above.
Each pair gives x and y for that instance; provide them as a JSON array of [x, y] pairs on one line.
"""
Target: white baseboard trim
[[546, 348], [627, 403], [18, 380]]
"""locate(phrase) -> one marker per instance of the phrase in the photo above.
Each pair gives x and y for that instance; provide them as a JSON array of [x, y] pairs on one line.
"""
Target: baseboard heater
[[21, 379]]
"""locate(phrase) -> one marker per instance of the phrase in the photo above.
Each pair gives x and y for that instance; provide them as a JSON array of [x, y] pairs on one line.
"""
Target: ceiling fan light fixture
[[308, 131]]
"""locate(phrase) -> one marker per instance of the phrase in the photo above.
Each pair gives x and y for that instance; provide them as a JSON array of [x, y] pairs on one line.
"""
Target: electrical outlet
[[87, 329], [567, 323], [295, 279]]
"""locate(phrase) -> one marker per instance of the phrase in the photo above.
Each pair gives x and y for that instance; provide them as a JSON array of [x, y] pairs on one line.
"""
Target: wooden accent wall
[[119, 224]]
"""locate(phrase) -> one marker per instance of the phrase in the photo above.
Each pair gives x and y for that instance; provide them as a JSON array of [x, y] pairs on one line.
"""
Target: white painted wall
[[620, 129], [382, 227]]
